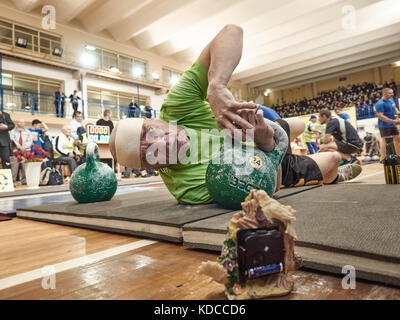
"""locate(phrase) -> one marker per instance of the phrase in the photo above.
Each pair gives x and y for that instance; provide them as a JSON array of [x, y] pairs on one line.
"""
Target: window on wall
[[98, 58], [48, 88], [7, 80], [28, 38], [5, 32], [139, 69], [114, 97], [24, 84], [33, 84], [125, 64], [170, 77], [110, 59]]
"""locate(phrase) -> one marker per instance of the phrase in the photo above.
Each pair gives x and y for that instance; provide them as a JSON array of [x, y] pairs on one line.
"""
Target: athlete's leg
[[328, 163], [296, 126]]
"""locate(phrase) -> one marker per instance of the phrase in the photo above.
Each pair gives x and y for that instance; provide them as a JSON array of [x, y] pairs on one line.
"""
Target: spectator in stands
[[75, 124], [346, 137], [74, 100], [106, 121], [6, 125], [387, 120], [310, 135], [345, 116], [21, 141], [366, 94], [38, 129], [133, 111], [147, 111], [65, 148], [59, 103]]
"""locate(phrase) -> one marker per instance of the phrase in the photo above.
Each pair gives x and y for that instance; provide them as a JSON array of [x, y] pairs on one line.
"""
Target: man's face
[[36, 126], [322, 119], [160, 143], [67, 131], [20, 124], [388, 95], [78, 117]]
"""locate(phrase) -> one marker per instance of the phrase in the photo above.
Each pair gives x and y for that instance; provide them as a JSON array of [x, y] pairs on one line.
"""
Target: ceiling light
[[267, 92], [6, 75], [137, 72], [91, 48], [87, 59], [113, 69], [397, 63], [174, 80], [155, 76]]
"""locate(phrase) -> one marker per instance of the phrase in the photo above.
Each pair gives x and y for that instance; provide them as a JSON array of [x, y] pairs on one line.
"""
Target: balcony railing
[[119, 111], [365, 111], [32, 102]]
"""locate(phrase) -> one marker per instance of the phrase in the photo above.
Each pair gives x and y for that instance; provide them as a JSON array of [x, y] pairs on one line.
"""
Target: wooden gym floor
[[96, 265]]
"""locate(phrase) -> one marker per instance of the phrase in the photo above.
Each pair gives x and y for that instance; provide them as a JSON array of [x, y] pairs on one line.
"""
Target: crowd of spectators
[[363, 96]]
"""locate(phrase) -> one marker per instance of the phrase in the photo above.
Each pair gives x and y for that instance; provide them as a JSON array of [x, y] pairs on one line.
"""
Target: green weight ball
[[93, 181], [233, 172]]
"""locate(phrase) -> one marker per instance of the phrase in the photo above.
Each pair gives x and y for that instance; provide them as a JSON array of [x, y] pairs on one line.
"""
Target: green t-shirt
[[186, 105]]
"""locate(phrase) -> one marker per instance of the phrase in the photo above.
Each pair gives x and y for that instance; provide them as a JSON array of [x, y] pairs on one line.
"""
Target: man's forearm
[[225, 52], [386, 119]]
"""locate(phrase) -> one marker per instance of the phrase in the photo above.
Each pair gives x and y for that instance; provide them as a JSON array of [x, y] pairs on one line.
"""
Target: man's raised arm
[[220, 57]]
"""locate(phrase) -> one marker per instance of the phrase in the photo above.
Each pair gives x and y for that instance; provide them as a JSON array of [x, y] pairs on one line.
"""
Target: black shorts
[[298, 170], [388, 132], [348, 148]]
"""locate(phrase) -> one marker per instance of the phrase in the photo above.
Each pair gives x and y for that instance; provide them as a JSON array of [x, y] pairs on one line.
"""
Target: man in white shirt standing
[[75, 124], [22, 141]]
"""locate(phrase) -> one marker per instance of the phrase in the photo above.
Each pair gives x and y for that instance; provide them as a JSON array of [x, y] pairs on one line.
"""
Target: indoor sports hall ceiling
[[286, 42]]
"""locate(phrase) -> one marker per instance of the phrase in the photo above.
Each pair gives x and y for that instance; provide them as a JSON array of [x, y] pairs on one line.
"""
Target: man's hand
[[71, 155], [226, 109], [3, 126], [263, 133]]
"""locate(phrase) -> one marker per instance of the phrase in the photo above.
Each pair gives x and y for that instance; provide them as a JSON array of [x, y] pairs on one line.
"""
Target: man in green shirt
[[192, 116]]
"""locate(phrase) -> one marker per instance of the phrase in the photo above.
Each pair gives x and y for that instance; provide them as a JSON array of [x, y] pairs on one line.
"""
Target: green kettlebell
[[93, 181], [233, 172]]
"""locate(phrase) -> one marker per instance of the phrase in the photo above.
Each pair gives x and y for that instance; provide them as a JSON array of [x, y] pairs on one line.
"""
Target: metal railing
[[119, 111], [365, 111], [34, 103]]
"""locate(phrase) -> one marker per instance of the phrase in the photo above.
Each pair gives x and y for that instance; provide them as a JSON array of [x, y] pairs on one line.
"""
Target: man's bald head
[[66, 129], [20, 124]]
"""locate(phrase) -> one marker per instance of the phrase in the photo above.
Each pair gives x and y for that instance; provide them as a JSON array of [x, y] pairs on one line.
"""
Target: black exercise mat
[[362, 220], [365, 268], [151, 213], [287, 192]]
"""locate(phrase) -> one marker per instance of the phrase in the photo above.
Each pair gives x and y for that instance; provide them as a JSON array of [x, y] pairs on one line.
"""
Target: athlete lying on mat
[[192, 116]]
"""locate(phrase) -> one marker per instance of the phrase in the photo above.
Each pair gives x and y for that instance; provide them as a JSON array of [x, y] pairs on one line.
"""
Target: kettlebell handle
[[283, 139], [92, 150]]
